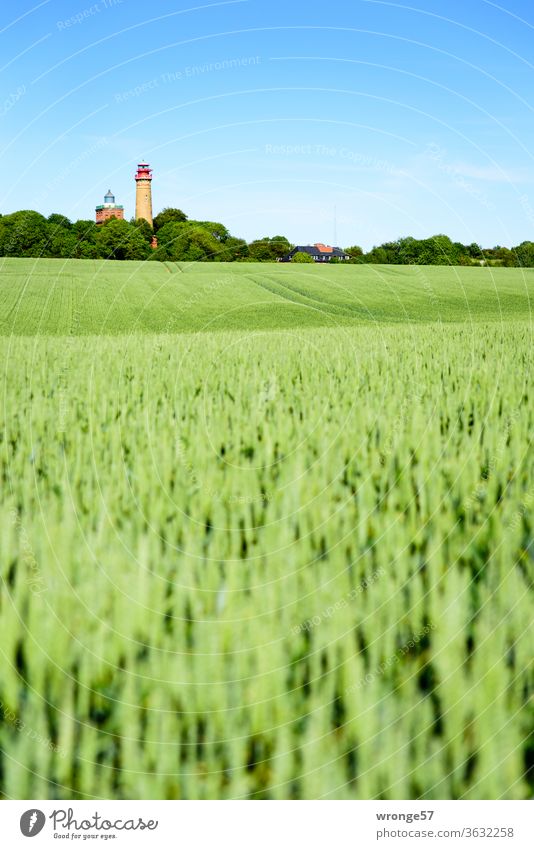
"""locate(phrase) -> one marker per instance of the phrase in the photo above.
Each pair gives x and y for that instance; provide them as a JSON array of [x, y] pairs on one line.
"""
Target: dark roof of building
[[318, 250]]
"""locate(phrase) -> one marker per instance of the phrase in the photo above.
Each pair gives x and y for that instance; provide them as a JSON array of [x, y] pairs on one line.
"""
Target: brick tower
[[108, 209], [143, 192]]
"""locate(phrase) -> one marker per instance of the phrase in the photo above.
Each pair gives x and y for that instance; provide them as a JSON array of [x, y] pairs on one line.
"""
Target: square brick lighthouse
[[108, 209]]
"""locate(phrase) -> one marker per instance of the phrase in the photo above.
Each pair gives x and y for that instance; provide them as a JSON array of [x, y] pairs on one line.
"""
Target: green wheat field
[[266, 532]]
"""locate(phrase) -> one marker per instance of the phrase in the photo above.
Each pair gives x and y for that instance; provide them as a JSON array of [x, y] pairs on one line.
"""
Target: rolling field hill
[[77, 297], [292, 558]]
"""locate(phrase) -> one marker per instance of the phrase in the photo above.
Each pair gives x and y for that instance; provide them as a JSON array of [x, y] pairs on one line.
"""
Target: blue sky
[[361, 121]]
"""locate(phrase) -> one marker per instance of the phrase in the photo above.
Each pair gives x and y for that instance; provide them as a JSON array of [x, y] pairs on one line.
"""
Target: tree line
[[441, 250], [29, 234]]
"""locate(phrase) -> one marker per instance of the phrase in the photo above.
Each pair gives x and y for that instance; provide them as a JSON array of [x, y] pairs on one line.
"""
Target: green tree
[[302, 256], [355, 252], [217, 230], [24, 233], [377, 255], [232, 250], [269, 248], [504, 256], [474, 251], [525, 254], [117, 239], [406, 250], [143, 228], [202, 247], [85, 232], [393, 252], [280, 246], [59, 220], [187, 242], [443, 251], [61, 237], [85, 229], [167, 215], [61, 243]]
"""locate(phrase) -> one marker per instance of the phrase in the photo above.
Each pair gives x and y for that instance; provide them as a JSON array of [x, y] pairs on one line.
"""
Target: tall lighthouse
[[143, 192]]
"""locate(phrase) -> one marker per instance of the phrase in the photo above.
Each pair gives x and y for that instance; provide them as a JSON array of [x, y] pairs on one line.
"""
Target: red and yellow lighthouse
[[143, 192]]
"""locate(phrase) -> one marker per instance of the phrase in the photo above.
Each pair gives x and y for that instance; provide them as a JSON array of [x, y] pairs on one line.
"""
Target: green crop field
[[266, 531], [73, 297]]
